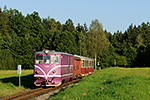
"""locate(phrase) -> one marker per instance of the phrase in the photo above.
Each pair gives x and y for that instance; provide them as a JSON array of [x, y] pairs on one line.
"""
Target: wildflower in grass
[[84, 94], [102, 88], [76, 84]]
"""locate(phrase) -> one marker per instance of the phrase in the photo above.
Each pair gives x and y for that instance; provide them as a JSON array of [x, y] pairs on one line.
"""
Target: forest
[[21, 36]]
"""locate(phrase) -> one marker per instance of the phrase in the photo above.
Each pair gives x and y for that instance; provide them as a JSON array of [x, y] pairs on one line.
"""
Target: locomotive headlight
[[54, 72], [37, 71], [46, 51]]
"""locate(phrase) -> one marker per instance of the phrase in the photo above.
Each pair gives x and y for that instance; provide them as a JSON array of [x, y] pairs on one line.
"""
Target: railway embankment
[[110, 84], [9, 82]]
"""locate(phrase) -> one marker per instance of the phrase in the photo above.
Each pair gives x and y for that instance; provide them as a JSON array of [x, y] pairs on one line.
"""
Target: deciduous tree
[[97, 42]]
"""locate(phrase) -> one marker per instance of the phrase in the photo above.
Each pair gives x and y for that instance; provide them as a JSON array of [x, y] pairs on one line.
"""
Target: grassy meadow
[[9, 82], [110, 83]]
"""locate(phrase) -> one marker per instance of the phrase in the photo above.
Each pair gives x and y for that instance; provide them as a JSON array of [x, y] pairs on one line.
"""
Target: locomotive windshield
[[39, 59], [46, 59], [54, 59]]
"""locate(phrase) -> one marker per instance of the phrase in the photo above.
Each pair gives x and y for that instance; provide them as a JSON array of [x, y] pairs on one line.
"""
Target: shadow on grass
[[26, 81]]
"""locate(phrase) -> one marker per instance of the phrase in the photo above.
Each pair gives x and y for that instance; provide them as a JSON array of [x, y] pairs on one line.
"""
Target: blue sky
[[113, 14]]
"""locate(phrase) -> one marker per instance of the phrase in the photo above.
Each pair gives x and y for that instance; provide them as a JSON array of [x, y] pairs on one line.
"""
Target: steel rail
[[37, 92]]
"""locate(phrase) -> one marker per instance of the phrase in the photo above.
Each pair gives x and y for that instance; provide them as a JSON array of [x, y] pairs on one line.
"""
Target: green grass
[[9, 82], [110, 84]]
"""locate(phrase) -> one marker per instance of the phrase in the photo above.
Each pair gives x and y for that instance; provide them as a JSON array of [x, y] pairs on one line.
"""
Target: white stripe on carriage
[[67, 65], [49, 71], [54, 75], [39, 75], [40, 69], [57, 67], [60, 75], [52, 70], [48, 76]]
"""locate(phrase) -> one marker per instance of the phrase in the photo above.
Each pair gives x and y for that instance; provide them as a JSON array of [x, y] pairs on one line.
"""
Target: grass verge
[[119, 83], [9, 82]]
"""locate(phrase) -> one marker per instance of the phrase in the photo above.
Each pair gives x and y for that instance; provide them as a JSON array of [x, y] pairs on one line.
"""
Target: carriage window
[[86, 63], [89, 63], [92, 63], [46, 59], [54, 59], [39, 59], [82, 62]]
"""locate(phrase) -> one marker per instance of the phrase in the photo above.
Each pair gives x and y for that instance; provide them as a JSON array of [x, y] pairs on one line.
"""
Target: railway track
[[36, 92]]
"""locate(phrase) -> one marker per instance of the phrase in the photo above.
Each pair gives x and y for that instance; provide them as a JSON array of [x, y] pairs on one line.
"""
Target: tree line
[[133, 44], [21, 36]]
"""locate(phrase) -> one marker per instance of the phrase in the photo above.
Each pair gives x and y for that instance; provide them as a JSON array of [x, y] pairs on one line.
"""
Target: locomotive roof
[[52, 52]]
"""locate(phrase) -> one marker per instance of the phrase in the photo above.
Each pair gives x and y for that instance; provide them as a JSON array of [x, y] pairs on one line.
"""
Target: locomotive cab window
[[46, 59], [39, 59], [54, 59]]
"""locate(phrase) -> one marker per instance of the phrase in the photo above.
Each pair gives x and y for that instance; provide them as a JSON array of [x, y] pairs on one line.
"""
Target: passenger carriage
[[76, 67], [91, 65], [84, 65], [52, 68]]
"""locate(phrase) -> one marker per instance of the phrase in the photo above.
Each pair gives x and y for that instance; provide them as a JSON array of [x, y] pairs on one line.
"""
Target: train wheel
[[71, 79], [63, 81]]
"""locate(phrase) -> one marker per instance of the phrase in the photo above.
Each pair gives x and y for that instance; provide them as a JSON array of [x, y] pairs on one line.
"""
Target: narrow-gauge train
[[53, 68]]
